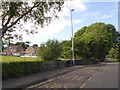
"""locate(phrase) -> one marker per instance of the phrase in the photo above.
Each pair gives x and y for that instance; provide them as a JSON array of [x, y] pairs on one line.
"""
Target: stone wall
[[53, 65], [82, 62], [45, 66]]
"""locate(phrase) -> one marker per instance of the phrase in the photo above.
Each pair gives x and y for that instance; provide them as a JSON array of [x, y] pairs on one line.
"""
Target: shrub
[[50, 50], [113, 54], [93, 60], [18, 69]]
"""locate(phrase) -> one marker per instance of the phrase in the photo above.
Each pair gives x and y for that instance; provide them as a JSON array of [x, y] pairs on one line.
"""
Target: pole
[[72, 39]]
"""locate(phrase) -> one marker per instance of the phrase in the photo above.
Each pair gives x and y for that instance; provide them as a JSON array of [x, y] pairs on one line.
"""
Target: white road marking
[[82, 85], [79, 78], [89, 78]]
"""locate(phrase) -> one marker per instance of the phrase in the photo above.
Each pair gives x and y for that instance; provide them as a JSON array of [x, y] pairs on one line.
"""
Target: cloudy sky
[[84, 14]]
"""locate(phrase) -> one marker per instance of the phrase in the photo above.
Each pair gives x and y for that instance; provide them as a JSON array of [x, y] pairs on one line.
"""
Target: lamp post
[[72, 38]]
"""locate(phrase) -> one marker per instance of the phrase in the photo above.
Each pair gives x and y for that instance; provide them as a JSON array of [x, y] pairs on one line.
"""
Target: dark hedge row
[[19, 69]]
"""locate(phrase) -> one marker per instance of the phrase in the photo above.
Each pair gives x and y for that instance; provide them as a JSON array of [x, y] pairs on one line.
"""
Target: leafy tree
[[113, 53], [22, 44], [117, 45], [95, 40], [35, 45], [1, 46], [80, 32], [27, 42], [13, 12], [50, 50], [66, 49]]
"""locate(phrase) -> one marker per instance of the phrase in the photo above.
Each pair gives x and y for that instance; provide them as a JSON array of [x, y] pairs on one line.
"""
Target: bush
[[93, 60], [50, 50], [113, 54], [18, 69]]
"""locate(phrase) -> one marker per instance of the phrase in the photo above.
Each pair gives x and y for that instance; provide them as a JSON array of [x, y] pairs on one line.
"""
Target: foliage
[[117, 45], [1, 46], [11, 59], [93, 60], [18, 69], [22, 44], [66, 49], [35, 45], [113, 53], [13, 12], [19, 66], [95, 40], [50, 50]]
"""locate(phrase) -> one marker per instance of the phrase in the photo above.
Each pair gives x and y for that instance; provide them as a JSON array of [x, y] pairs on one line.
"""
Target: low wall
[[82, 62], [52, 65], [61, 64]]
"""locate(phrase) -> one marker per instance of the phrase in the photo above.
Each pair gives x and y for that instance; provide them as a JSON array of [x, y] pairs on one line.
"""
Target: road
[[106, 77], [88, 77]]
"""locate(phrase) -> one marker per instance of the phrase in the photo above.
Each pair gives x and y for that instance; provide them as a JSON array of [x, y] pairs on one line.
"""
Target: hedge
[[19, 69]]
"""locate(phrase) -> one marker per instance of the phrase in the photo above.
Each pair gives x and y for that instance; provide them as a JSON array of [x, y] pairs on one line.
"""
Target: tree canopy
[[22, 44], [50, 50], [13, 12], [66, 49], [95, 40]]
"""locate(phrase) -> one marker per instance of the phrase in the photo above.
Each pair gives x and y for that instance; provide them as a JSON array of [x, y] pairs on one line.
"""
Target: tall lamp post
[[72, 38]]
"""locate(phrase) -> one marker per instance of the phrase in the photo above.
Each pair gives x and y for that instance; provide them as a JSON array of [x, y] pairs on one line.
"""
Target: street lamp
[[72, 38]]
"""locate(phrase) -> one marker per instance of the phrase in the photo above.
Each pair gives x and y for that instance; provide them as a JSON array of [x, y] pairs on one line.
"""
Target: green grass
[[9, 59], [63, 59]]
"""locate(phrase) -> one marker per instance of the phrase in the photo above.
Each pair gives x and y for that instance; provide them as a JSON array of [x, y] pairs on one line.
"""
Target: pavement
[[33, 79]]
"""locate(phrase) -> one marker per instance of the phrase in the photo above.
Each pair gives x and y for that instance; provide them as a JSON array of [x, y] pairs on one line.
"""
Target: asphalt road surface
[[88, 77], [106, 77]]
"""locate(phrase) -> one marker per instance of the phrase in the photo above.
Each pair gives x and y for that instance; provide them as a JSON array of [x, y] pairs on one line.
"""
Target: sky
[[85, 13]]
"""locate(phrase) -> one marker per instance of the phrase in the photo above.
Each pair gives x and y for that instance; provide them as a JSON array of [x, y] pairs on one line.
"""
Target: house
[[14, 50], [31, 51]]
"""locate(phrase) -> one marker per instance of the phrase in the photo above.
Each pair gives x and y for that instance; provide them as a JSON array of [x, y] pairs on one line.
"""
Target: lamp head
[[72, 9]]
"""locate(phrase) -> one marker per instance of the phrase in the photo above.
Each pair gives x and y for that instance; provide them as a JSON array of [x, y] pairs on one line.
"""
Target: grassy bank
[[10, 59]]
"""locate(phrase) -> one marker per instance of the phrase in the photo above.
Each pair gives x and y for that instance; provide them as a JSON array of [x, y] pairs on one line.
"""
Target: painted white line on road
[[42, 83], [75, 77], [79, 78], [91, 71], [59, 85], [89, 78], [65, 86], [93, 74], [82, 85]]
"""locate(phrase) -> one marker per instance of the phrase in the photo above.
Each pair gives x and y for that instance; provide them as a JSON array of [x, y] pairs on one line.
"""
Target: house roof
[[13, 47], [31, 50], [35, 48]]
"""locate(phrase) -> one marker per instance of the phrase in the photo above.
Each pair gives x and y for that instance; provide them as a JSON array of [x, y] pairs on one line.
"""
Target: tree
[[95, 40], [27, 42], [66, 49], [14, 12], [50, 50], [35, 45], [22, 44], [1, 47], [118, 45], [113, 53]]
